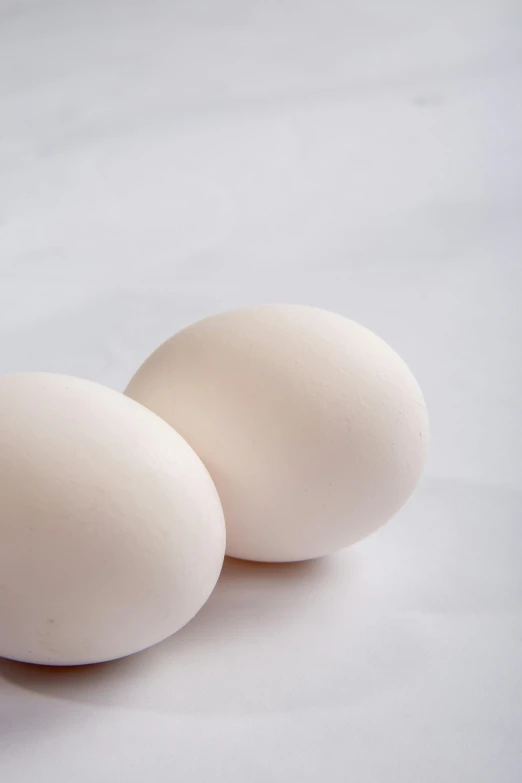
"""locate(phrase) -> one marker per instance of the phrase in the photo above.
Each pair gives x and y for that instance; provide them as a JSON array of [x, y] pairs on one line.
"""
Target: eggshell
[[313, 429], [111, 531]]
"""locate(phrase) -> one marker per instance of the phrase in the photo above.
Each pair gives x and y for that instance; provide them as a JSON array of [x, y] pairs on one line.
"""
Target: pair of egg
[[298, 428]]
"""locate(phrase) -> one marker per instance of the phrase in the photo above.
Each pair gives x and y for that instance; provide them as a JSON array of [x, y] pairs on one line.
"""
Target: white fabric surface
[[163, 160]]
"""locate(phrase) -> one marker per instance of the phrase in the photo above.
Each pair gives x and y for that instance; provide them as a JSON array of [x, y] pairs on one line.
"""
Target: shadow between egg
[[253, 609], [369, 622]]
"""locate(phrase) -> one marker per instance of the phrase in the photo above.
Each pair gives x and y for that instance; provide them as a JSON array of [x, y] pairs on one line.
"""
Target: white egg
[[111, 531], [313, 429]]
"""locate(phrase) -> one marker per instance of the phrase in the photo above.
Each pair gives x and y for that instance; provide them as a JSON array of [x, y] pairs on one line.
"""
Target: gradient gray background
[[160, 161]]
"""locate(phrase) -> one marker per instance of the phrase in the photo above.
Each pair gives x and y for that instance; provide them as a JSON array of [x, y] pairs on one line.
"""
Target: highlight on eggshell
[[313, 429], [111, 530]]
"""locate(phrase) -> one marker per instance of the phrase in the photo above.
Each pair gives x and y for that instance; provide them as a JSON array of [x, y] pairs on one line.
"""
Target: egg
[[111, 530], [314, 430]]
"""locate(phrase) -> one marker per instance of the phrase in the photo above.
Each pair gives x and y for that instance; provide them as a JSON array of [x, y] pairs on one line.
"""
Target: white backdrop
[[162, 160]]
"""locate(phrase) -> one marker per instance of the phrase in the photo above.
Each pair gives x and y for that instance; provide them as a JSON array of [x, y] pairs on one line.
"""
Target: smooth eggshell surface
[[111, 530], [313, 429]]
